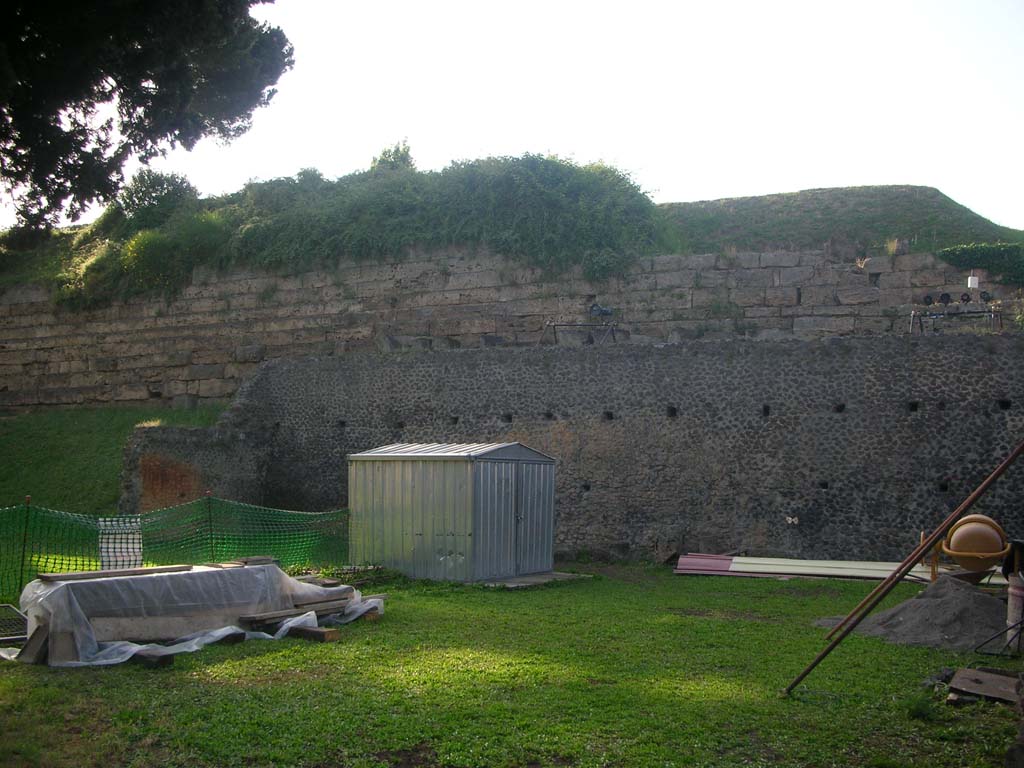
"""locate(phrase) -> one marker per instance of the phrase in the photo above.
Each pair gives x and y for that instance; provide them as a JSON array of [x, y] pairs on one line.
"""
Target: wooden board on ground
[[112, 573], [321, 601], [256, 560], [317, 634], [322, 609], [974, 682]]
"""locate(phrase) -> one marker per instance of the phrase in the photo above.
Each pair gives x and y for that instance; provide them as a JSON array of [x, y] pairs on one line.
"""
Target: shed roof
[[449, 451]]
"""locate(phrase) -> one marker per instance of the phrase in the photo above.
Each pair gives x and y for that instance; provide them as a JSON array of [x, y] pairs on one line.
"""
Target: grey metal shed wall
[[513, 518], [414, 516], [494, 525], [536, 536]]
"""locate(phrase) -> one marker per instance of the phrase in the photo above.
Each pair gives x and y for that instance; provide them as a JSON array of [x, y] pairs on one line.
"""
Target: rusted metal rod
[[926, 545], [879, 593]]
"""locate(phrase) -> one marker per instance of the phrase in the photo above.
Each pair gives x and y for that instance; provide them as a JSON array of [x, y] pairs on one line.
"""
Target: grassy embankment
[[635, 667]]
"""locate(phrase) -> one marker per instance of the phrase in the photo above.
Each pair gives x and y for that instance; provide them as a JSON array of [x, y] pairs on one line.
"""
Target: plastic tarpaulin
[[107, 621]]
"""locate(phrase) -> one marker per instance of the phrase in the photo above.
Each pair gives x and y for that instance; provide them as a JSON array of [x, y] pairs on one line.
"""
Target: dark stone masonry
[[836, 448]]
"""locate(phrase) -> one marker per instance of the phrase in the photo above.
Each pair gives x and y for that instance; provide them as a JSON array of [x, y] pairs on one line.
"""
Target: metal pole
[[887, 586], [24, 544]]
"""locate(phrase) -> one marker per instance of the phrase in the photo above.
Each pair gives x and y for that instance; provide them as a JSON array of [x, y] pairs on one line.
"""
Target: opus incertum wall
[[835, 448], [203, 344]]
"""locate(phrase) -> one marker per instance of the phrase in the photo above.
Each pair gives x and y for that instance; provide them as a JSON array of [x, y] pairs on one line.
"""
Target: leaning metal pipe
[[924, 547], [877, 595]]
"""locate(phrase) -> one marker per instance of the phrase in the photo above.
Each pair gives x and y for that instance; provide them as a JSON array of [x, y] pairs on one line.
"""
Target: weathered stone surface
[[224, 324], [780, 259], [212, 371], [755, 437], [823, 324], [857, 294]]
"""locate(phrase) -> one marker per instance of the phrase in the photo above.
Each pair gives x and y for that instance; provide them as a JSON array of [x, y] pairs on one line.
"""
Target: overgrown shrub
[[543, 211], [151, 198], [1004, 261]]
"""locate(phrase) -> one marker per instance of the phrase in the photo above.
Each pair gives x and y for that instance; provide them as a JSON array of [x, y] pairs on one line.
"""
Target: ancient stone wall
[[834, 448], [204, 343]]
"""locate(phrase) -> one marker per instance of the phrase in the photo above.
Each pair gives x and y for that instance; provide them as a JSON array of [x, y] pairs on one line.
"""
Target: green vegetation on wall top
[[1003, 261], [543, 211]]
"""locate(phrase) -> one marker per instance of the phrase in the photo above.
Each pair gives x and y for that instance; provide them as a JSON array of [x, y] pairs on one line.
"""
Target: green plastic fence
[[35, 540]]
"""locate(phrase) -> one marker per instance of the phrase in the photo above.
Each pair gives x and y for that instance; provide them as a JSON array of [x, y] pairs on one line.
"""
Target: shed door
[[534, 530]]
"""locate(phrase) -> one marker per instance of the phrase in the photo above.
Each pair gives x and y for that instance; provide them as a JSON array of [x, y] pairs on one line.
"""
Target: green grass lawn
[[71, 459], [634, 667]]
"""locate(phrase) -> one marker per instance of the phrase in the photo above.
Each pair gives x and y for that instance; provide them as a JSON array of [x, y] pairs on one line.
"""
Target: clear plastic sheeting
[[107, 621]]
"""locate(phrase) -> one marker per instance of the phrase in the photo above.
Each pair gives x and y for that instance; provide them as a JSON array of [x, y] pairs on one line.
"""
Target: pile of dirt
[[949, 614]]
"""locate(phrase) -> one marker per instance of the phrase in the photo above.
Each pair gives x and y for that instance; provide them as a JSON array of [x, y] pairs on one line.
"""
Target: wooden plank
[[974, 682], [35, 650], [321, 601], [316, 634], [322, 608], [256, 560], [371, 615], [112, 573]]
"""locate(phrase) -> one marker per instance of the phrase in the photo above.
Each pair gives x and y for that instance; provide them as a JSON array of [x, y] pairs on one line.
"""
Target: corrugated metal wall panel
[[536, 497], [452, 520], [494, 528]]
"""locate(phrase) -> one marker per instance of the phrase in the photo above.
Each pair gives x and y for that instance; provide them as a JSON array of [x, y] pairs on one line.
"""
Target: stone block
[[817, 295], [857, 294], [713, 278], [913, 262], [874, 324], [927, 278], [747, 297], [678, 279], [738, 261], [104, 364], [780, 259], [876, 264], [250, 353], [211, 371], [894, 280], [794, 275], [781, 297], [131, 392], [217, 387], [700, 261], [758, 312], [749, 278], [820, 324]]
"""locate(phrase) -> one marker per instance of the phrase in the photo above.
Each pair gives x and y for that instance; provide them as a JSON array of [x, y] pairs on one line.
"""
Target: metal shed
[[456, 512]]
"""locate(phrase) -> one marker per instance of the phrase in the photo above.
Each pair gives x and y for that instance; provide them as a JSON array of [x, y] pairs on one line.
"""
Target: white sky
[[696, 100]]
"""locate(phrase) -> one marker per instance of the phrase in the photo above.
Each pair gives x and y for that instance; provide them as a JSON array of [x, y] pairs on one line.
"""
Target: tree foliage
[[151, 197], [396, 158], [86, 85]]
